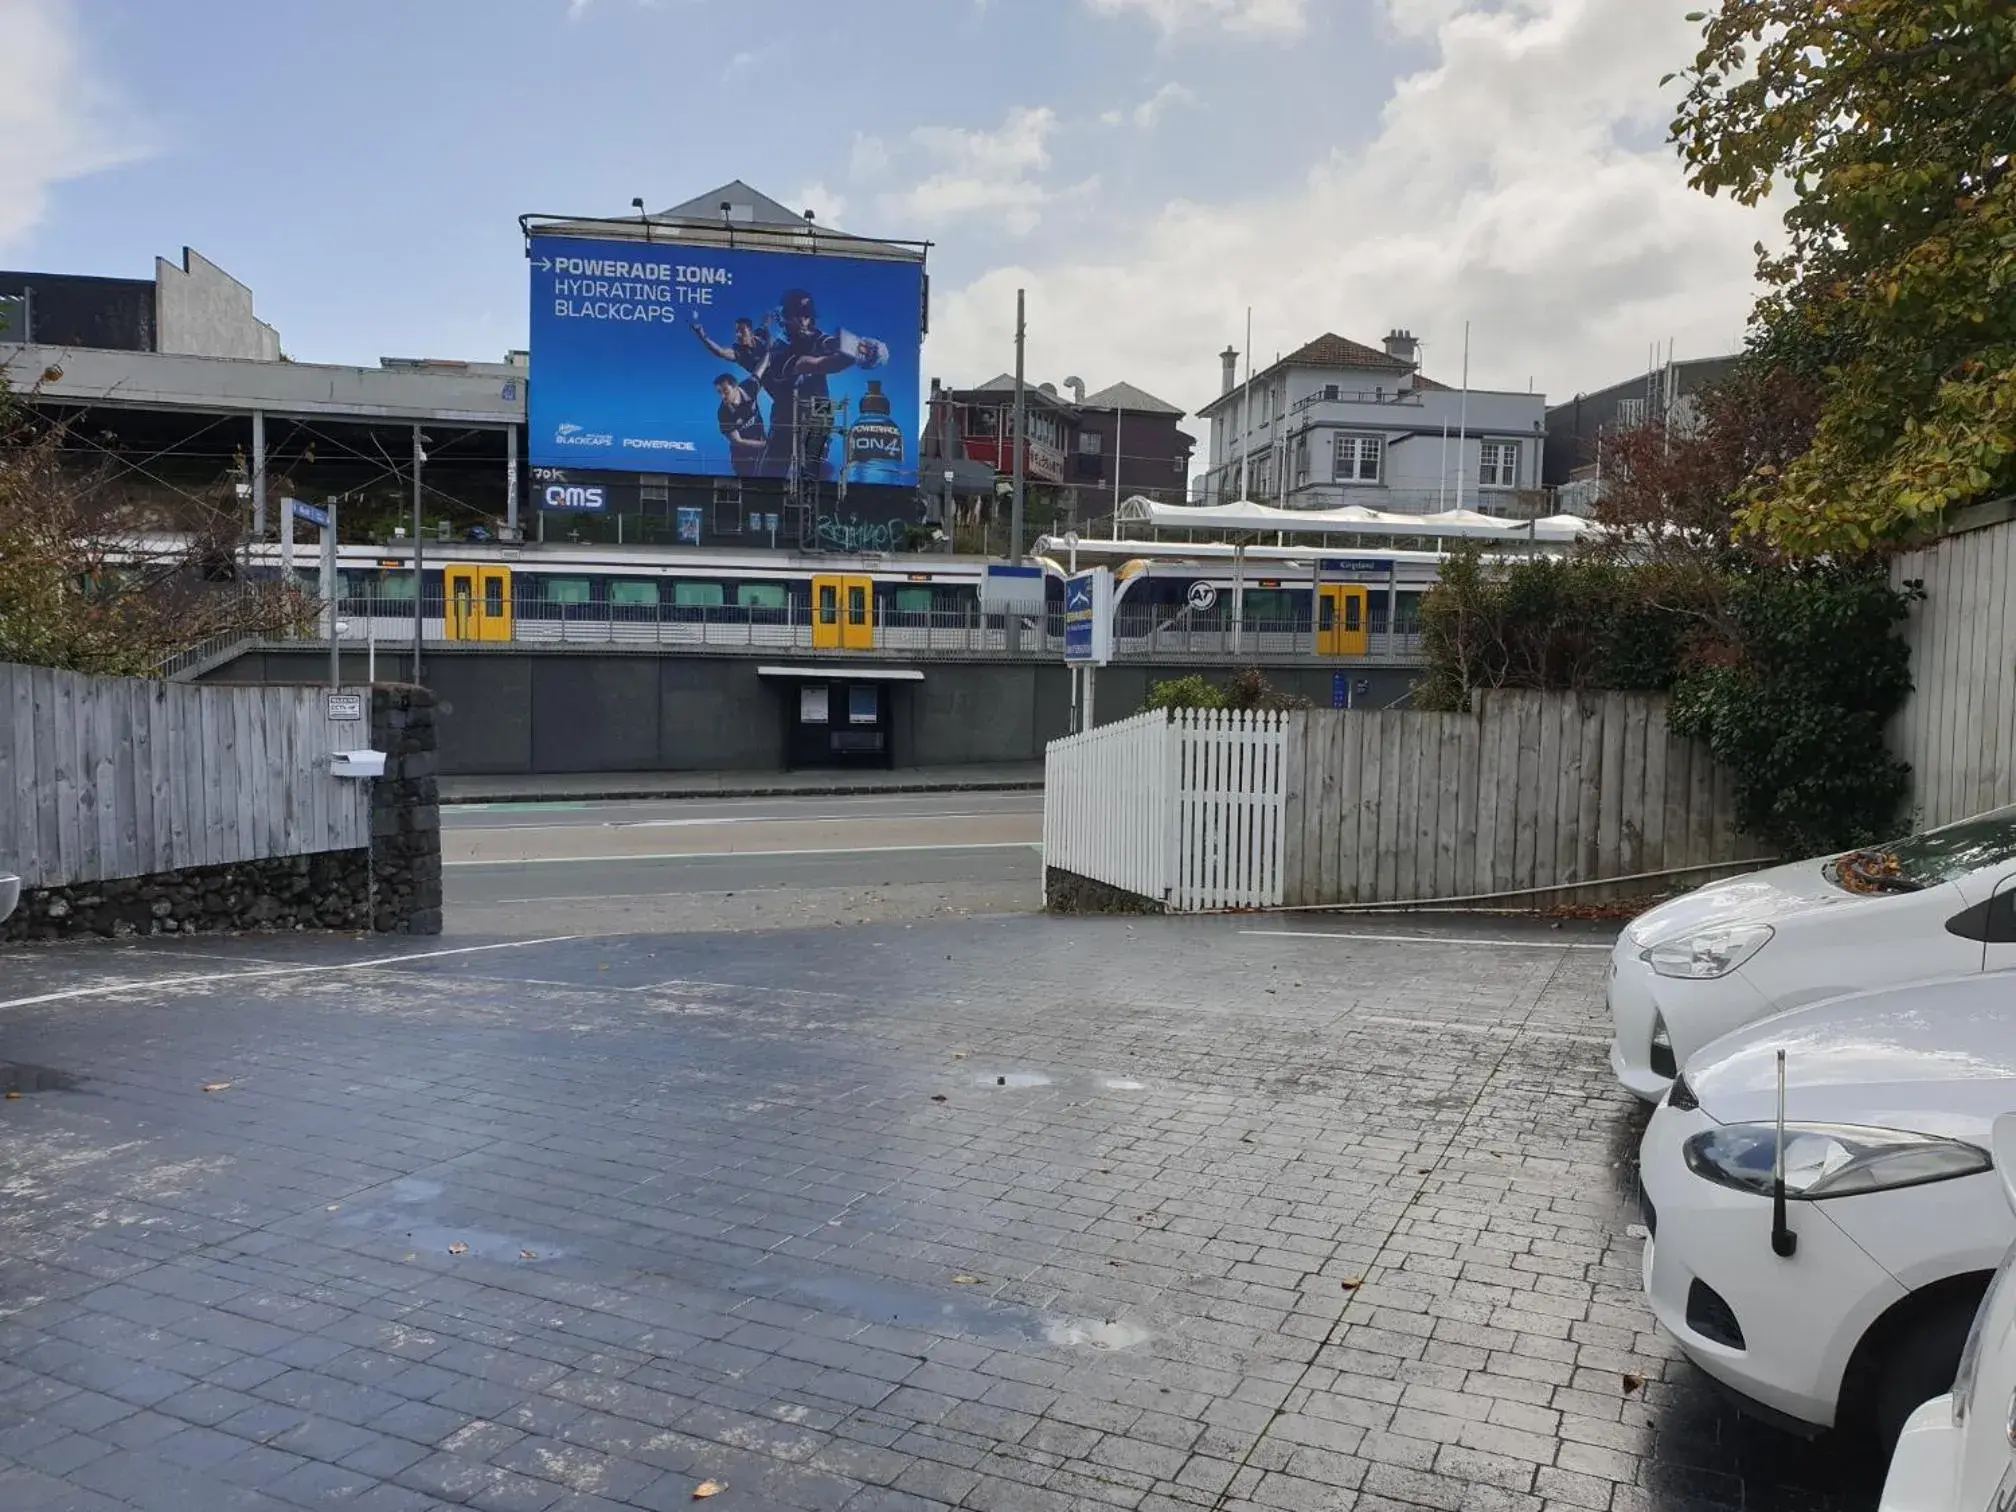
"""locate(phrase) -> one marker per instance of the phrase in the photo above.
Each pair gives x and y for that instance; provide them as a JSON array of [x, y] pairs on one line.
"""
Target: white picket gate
[[1185, 808]]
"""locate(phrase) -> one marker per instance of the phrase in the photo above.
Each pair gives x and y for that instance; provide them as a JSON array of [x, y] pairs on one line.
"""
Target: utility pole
[[1462, 419], [1246, 418], [332, 595], [1119, 456], [419, 556], [1021, 434]]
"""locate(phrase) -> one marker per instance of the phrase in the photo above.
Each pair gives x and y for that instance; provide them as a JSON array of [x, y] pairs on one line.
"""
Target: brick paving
[[1006, 1215]]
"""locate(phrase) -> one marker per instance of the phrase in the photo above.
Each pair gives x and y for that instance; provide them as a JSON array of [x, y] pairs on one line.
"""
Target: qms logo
[[572, 496]]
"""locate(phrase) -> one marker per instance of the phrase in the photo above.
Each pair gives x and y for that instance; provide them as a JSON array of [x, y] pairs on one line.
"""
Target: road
[[741, 863]]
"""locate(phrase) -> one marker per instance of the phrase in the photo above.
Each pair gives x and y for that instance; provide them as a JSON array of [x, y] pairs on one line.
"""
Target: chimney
[[1401, 344], [1230, 358], [1077, 387]]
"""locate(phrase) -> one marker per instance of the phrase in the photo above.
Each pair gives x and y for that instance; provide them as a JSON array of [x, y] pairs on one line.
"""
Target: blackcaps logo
[[571, 434]]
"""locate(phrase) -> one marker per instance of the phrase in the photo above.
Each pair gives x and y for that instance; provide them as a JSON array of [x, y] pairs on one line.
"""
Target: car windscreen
[[1940, 855]]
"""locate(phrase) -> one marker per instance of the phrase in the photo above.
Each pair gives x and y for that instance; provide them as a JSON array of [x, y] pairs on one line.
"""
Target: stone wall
[[1068, 893], [405, 814], [329, 890], [394, 887]]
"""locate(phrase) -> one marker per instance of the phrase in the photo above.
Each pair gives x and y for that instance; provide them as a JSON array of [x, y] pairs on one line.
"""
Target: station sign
[[1088, 618]]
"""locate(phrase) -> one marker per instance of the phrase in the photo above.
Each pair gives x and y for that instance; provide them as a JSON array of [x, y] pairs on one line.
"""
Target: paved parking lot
[[993, 1214]]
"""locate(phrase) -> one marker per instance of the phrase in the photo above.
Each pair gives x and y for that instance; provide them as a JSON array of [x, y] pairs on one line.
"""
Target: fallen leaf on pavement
[[216, 1086], [967, 1281], [12, 1095], [458, 1248], [1632, 1383], [528, 1255], [939, 1097], [1354, 1283], [706, 1489]]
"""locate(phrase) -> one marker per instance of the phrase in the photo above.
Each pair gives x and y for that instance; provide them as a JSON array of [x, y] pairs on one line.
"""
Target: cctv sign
[[573, 496]]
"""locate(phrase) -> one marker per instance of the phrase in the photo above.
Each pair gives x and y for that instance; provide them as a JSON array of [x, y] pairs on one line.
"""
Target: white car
[[1958, 1452], [1846, 1302], [1689, 971]]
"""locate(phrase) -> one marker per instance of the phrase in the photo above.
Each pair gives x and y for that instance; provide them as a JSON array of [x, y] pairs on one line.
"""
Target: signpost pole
[[1021, 435], [419, 557], [511, 482], [329, 596]]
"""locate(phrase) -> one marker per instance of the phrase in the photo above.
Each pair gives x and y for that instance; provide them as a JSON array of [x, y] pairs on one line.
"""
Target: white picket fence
[[1184, 809]]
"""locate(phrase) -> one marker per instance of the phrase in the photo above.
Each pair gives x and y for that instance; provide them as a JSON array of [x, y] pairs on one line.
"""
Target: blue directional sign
[[310, 513], [1358, 565], [1088, 618]]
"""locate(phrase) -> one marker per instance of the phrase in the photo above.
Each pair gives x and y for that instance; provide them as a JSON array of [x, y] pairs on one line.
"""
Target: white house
[[1339, 423]]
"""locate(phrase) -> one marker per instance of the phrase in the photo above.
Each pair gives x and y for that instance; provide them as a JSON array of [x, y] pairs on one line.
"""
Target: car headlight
[[1708, 954], [1828, 1160]]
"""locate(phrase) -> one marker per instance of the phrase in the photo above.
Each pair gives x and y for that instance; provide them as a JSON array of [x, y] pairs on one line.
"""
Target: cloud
[[984, 174], [1517, 181], [828, 206], [57, 122], [868, 158], [1148, 114], [1264, 18]]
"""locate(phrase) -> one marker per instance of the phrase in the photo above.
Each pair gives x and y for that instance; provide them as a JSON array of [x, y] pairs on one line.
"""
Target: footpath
[[578, 787]]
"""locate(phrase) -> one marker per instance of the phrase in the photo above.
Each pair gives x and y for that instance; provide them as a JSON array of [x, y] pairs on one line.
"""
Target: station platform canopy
[[1448, 524]]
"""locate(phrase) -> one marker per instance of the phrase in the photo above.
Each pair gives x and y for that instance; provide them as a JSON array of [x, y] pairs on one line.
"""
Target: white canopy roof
[[1354, 519]]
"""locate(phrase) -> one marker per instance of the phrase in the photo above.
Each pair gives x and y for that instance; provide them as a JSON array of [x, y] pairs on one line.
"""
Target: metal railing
[[1141, 633]]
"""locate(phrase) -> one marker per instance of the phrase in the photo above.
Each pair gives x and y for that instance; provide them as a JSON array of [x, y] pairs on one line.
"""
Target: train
[[1333, 605]]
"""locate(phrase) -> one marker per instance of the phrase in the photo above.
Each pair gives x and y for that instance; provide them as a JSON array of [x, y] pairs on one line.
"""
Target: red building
[[1083, 446]]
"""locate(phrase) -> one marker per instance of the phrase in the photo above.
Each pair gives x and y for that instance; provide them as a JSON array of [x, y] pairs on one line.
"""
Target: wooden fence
[[125, 777], [1958, 727], [1534, 795], [1530, 792]]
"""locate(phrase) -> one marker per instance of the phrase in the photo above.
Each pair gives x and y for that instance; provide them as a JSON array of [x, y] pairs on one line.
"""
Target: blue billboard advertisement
[[669, 358]]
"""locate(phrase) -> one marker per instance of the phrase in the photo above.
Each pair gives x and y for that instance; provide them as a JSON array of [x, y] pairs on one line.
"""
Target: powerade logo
[[573, 496], [574, 435], [641, 443]]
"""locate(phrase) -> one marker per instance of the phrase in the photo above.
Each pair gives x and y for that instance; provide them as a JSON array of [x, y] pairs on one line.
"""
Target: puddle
[[439, 1239], [952, 1316], [1073, 1332], [1012, 1079], [17, 1079]]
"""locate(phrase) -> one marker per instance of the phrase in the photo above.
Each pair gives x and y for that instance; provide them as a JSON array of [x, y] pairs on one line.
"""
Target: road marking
[[744, 855], [726, 819], [1447, 1026], [113, 989], [1397, 939]]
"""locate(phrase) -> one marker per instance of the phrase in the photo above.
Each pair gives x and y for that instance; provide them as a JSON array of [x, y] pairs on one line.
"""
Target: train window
[[1269, 606], [566, 590], [698, 595], [913, 600], [396, 585], [760, 595], [633, 593]]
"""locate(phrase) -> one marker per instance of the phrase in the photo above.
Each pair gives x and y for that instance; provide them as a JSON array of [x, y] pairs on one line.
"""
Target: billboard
[[671, 358]]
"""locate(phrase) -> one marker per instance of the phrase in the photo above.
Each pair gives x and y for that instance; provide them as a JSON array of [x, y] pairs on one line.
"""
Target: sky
[[1148, 170]]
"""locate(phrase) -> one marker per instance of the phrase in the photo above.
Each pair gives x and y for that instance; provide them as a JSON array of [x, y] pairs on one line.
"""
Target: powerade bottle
[[875, 442]]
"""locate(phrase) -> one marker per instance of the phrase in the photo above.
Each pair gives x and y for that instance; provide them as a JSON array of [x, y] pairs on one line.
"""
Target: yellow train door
[[1343, 624], [478, 606], [826, 592], [496, 609], [463, 611], [857, 629]]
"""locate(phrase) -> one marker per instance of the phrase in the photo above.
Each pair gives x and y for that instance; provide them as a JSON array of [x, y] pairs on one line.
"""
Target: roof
[[1327, 351], [753, 220], [1124, 396], [752, 207], [1355, 519], [1332, 350]]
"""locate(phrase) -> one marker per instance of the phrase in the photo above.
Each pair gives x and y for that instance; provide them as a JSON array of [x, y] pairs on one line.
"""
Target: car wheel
[[1920, 1366]]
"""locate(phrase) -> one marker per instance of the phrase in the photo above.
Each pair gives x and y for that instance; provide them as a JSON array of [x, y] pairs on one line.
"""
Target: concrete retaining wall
[[524, 713]]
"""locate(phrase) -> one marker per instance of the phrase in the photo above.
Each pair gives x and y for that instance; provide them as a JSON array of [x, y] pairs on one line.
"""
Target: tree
[[95, 578], [1892, 124]]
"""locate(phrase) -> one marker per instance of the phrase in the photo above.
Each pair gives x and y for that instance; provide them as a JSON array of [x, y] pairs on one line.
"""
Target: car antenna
[[1784, 1243]]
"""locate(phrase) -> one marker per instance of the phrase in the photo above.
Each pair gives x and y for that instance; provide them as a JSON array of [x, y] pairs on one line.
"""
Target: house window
[[1090, 443], [1301, 460], [1360, 459], [1499, 467], [727, 506]]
